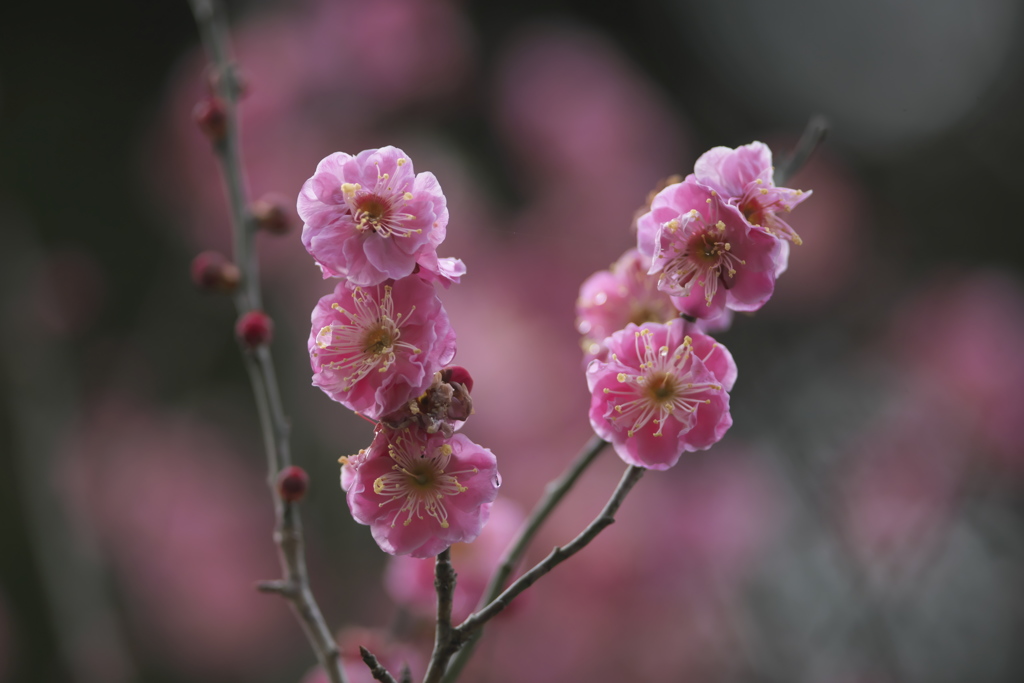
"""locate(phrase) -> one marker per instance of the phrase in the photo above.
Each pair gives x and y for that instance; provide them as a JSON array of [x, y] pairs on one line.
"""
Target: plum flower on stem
[[706, 255], [663, 392], [421, 492], [744, 178], [370, 218], [373, 349]]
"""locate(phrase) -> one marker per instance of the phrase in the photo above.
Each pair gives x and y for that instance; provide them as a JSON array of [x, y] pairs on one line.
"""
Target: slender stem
[[812, 136], [557, 555], [553, 494], [444, 583], [475, 622], [377, 669], [258, 362]]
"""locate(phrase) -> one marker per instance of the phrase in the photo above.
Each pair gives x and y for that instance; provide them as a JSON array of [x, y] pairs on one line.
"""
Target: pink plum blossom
[[744, 178], [707, 255], [373, 349], [370, 218], [611, 299], [420, 492], [663, 391]]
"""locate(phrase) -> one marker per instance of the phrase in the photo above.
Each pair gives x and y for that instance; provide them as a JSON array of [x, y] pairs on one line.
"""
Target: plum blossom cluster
[[381, 345], [708, 245]]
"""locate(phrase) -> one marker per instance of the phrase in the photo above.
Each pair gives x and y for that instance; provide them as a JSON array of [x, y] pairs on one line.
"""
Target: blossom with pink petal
[[663, 391], [611, 299], [745, 178], [708, 257], [373, 349], [370, 218], [420, 492]]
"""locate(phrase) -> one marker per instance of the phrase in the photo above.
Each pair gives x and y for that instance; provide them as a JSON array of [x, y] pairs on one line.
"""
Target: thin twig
[[553, 494], [444, 583], [558, 555], [462, 633], [259, 364], [376, 668], [812, 136]]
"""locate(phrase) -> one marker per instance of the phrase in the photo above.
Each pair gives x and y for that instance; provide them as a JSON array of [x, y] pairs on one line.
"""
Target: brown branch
[[812, 136], [258, 362], [553, 494], [472, 625], [444, 583], [376, 668]]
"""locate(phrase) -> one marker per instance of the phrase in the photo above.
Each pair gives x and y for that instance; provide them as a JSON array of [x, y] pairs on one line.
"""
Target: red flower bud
[[272, 213], [211, 117], [292, 483], [459, 374], [211, 272], [255, 328]]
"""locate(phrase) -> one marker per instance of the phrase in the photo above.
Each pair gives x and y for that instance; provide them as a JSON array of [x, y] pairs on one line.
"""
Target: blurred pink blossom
[[391, 654], [610, 299], [185, 525], [410, 581], [960, 339], [905, 475]]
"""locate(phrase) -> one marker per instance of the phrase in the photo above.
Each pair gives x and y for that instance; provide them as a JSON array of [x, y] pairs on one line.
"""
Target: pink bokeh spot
[[410, 581], [183, 522], [373, 349], [662, 392], [420, 492]]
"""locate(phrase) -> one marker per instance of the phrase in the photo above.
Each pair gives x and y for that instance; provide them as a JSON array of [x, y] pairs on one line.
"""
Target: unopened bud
[[292, 483], [255, 328], [211, 117], [212, 272], [459, 374], [272, 213]]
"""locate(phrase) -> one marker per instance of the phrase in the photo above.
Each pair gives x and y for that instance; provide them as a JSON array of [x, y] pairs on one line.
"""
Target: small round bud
[[292, 483], [212, 272], [211, 117], [255, 328], [272, 213], [459, 374]]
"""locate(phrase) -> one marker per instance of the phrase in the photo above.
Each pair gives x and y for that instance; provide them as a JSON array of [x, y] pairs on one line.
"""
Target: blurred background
[[861, 523]]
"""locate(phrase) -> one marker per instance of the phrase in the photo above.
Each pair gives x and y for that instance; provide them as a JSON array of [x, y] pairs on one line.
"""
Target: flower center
[[378, 340], [662, 387], [419, 481], [378, 210], [703, 258], [371, 213], [366, 338]]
